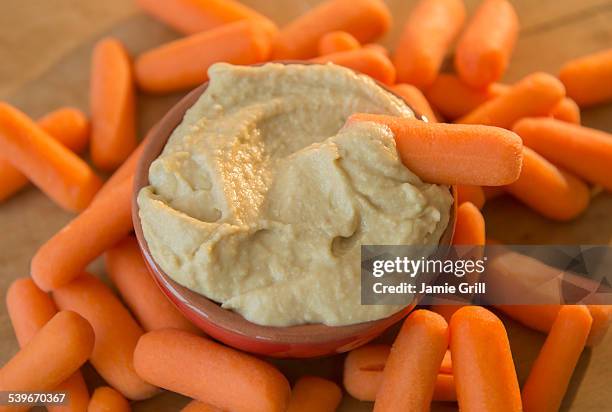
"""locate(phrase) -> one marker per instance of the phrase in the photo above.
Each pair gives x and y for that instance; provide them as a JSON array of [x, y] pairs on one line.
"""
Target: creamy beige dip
[[260, 199]]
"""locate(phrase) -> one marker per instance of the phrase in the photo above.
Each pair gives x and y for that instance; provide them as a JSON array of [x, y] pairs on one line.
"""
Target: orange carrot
[[453, 98], [470, 226], [548, 190], [484, 373], [363, 373], [64, 256], [128, 272], [209, 372], [454, 154], [541, 318], [67, 125], [337, 41], [366, 61], [116, 333], [602, 317], [379, 48], [197, 406], [426, 37], [11, 180], [578, 149], [194, 16], [415, 99], [588, 79], [311, 393], [553, 368], [30, 309], [473, 194], [365, 20], [484, 49], [534, 95], [567, 111], [106, 399], [61, 174], [50, 357], [112, 103], [363, 370], [411, 370], [491, 192], [183, 63]]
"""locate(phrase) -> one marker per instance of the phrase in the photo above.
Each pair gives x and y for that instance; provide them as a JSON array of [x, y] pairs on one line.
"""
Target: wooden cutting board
[[44, 53]]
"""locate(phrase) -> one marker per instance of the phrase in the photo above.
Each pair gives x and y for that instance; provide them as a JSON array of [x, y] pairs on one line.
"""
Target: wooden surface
[[44, 53]]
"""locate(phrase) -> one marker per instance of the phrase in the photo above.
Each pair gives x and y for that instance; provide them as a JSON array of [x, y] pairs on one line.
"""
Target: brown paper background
[[44, 63]]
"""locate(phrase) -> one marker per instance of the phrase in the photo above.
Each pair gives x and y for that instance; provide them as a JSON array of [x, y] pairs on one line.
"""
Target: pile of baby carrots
[[486, 137]]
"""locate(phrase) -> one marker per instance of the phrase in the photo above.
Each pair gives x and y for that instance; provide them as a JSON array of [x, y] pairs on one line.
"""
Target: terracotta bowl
[[301, 341]]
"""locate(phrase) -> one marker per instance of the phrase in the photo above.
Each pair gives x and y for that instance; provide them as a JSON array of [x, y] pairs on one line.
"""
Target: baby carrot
[[553, 368], [411, 370], [64, 256], [363, 373], [67, 125], [183, 63], [363, 370], [415, 99], [112, 103], [107, 399], [311, 393], [602, 317], [535, 95], [470, 226], [61, 174], [454, 154], [473, 194], [29, 309], [379, 48], [453, 98], [541, 318], [567, 111], [588, 79], [11, 180], [485, 377], [50, 357], [484, 48], [116, 333], [365, 20], [209, 372], [548, 190], [365, 61], [128, 272], [426, 37], [578, 149], [337, 41], [197, 406], [194, 16]]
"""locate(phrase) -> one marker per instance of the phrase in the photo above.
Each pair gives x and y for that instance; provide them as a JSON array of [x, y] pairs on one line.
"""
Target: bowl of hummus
[[252, 200]]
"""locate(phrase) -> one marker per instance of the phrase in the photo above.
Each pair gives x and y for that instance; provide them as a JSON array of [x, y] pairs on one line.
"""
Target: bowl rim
[[205, 309]]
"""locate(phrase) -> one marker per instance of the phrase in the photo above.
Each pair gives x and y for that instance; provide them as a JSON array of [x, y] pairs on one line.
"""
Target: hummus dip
[[260, 199]]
